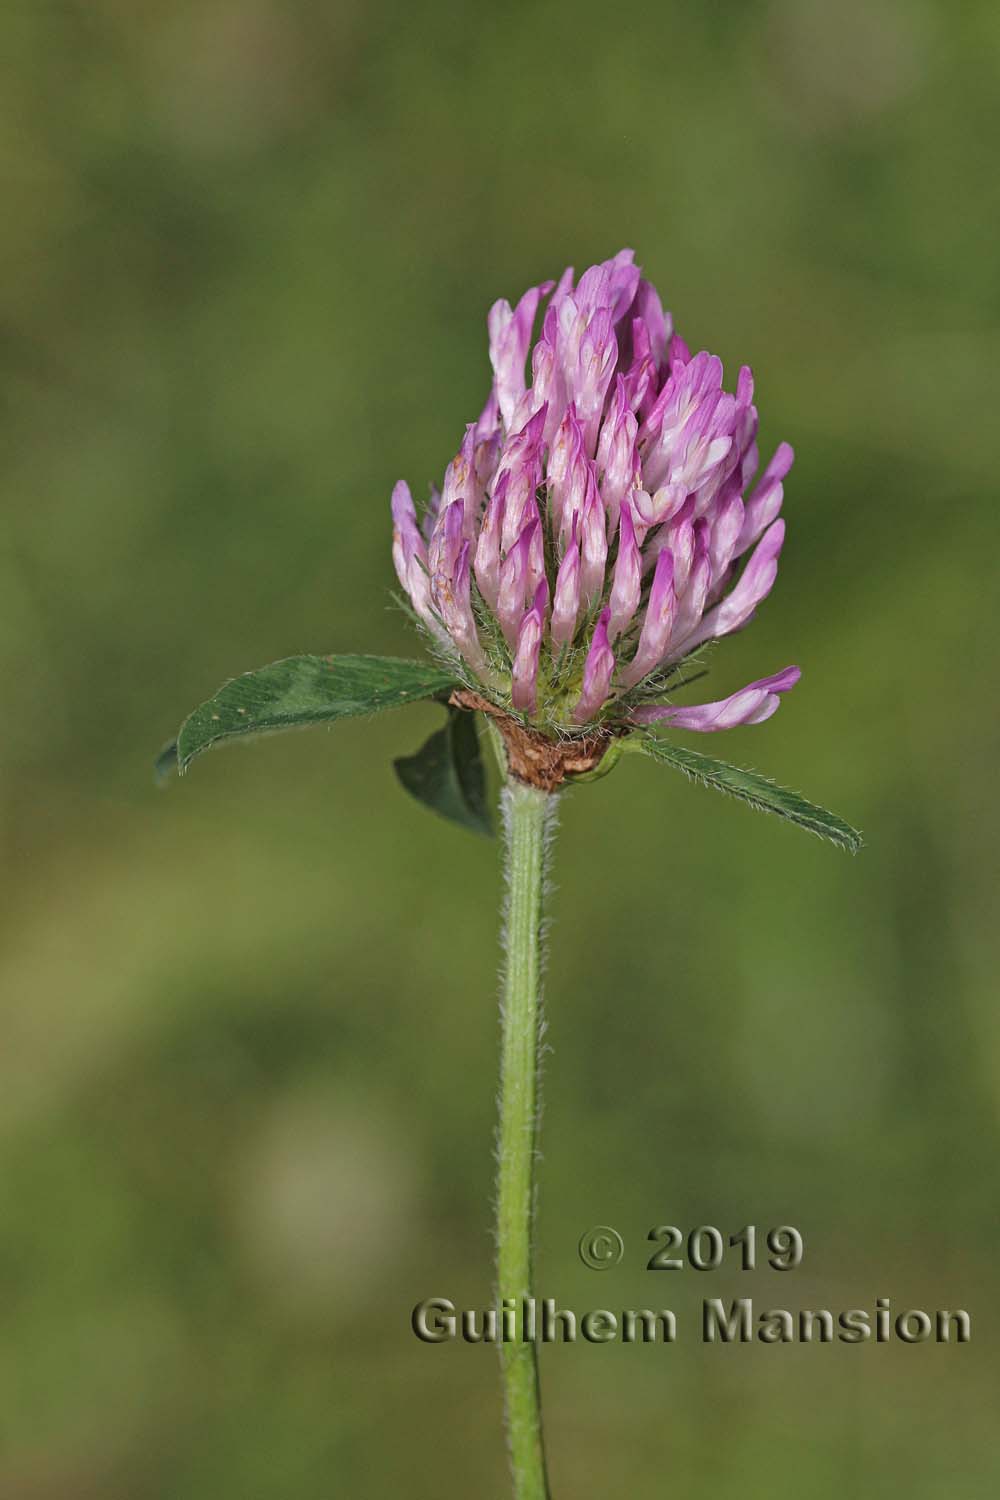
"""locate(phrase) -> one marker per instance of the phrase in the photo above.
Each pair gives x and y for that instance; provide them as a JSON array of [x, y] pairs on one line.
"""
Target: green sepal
[[302, 690], [447, 774], [751, 787]]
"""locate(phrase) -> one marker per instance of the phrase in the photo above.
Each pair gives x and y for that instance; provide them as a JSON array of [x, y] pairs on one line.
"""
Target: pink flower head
[[598, 523]]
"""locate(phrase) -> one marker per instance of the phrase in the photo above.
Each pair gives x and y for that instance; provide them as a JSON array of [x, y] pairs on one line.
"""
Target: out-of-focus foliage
[[247, 1040]]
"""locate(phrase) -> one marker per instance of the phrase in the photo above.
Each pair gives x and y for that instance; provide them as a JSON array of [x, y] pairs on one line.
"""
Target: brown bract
[[531, 756]]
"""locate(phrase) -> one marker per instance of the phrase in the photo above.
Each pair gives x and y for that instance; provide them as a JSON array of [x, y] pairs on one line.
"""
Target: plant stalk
[[528, 818]]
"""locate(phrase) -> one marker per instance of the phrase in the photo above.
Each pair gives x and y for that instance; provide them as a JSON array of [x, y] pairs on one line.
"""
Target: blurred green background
[[248, 1036]]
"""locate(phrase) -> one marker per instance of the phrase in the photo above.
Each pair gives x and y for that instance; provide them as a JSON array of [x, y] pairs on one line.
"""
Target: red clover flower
[[601, 523]]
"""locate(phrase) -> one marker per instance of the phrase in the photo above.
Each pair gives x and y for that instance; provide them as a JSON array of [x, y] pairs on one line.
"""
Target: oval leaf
[[304, 690], [447, 773], [757, 790]]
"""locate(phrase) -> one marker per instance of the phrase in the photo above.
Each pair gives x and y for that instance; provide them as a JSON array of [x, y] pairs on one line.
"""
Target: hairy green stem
[[528, 816]]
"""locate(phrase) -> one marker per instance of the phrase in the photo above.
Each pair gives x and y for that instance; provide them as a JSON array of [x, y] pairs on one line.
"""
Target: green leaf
[[750, 787], [447, 774], [305, 690]]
